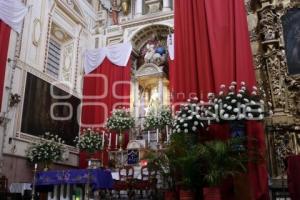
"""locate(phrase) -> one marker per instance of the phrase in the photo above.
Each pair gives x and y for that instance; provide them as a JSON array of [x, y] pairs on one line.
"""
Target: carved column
[[139, 8], [161, 90], [166, 5]]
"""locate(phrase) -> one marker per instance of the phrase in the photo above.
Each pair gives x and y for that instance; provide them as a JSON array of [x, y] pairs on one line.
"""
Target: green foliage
[[120, 120], [184, 160], [47, 149], [222, 159], [90, 141], [157, 119]]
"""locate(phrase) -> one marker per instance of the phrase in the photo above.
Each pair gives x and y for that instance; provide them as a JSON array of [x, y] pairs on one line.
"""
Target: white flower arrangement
[[89, 141], [189, 118], [48, 149], [120, 120], [158, 119]]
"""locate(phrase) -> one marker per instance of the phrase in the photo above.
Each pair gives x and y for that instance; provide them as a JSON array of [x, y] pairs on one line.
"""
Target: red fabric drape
[[294, 176], [104, 89], [4, 42], [212, 47]]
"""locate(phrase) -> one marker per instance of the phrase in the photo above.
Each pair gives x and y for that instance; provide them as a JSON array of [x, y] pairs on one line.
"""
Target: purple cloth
[[99, 179]]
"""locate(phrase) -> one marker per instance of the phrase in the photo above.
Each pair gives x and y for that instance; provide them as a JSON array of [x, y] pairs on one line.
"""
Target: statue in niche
[[114, 7], [154, 52]]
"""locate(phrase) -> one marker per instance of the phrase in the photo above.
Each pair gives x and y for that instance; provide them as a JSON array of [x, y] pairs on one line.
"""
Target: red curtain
[[104, 89], [212, 47], [4, 42]]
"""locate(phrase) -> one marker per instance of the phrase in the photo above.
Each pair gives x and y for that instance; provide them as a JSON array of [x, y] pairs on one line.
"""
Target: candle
[[148, 137], [167, 130], [109, 142], [35, 166], [103, 138], [157, 136], [89, 163], [116, 141]]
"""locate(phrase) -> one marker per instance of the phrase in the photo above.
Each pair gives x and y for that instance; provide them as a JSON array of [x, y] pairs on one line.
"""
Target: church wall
[[85, 25]]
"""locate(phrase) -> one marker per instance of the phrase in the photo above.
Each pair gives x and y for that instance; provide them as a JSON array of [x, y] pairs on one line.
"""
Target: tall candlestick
[[149, 138], [157, 136], [35, 166], [116, 141], [109, 142], [167, 131], [103, 138]]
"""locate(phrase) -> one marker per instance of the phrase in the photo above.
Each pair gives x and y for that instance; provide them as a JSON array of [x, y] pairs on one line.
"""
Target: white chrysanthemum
[[222, 86], [260, 110], [239, 95], [246, 100], [226, 116], [250, 115], [196, 123], [248, 109], [243, 83], [233, 101], [194, 128], [190, 117], [185, 125], [221, 93], [198, 116], [254, 88], [235, 110], [186, 130]]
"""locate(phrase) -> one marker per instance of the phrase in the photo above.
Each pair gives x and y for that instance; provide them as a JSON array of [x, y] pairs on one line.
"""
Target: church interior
[[149, 99]]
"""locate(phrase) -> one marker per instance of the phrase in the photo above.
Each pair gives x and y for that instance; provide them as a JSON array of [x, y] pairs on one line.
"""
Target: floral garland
[[90, 141], [49, 148], [158, 119], [120, 120]]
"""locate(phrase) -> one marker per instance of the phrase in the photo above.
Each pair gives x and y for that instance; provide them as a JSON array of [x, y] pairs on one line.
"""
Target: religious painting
[[291, 30], [41, 104]]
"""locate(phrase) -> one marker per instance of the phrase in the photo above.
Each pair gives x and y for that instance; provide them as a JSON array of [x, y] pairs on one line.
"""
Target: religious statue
[[114, 7], [155, 53]]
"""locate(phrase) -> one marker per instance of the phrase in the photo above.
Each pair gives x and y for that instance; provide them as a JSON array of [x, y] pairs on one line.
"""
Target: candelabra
[[87, 188], [33, 183]]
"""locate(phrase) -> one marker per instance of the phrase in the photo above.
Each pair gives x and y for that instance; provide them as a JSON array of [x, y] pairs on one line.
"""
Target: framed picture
[[291, 32]]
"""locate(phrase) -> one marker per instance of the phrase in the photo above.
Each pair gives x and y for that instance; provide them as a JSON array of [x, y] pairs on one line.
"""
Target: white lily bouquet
[[48, 149], [157, 119], [120, 120], [89, 141]]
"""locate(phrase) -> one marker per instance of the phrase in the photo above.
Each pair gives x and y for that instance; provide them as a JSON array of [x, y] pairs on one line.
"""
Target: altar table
[[98, 178]]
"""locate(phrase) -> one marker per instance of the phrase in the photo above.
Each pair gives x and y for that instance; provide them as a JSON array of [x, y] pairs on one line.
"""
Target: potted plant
[[222, 159], [160, 162], [47, 149], [90, 141], [120, 121]]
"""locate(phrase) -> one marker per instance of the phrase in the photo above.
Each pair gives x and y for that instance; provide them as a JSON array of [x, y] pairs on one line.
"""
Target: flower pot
[[170, 195], [212, 193], [242, 188], [186, 195]]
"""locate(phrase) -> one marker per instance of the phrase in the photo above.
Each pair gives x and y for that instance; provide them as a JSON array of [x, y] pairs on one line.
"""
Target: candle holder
[[33, 182]]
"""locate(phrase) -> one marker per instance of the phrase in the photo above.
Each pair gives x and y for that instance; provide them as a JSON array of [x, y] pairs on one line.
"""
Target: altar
[[65, 184]]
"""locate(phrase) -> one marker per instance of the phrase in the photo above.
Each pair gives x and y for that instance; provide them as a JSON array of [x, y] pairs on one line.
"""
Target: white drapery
[[171, 46], [12, 12], [118, 54]]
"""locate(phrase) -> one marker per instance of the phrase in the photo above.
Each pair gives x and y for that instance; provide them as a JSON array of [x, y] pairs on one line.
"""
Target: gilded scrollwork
[[272, 73]]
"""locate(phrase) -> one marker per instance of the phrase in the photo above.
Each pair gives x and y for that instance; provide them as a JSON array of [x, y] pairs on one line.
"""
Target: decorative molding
[[36, 32]]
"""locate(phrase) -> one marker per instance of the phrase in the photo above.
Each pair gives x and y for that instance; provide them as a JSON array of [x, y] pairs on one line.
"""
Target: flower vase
[[46, 166]]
